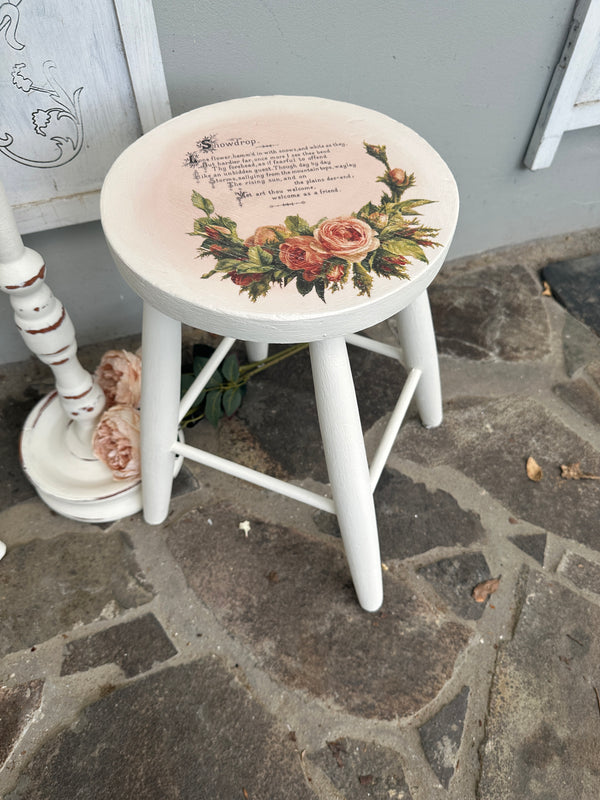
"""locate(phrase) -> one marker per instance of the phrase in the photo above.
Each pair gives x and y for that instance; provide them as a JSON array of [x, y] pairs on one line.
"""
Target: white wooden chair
[[305, 213]]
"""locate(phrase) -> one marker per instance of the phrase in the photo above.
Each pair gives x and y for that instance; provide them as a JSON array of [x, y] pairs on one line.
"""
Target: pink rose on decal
[[216, 231], [378, 240], [347, 237], [302, 253], [397, 176], [116, 442], [244, 279], [264, 234], [120, 377], [336, 273]]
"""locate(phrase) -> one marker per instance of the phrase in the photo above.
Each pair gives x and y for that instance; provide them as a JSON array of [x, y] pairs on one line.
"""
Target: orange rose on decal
[[120, 377], [116, 441], [347, 237], [302, 253], [265, 234]]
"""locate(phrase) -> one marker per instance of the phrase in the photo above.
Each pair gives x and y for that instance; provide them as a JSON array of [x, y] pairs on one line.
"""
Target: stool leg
[[257, 351], [417, 339], [347, 466], [161, 378]]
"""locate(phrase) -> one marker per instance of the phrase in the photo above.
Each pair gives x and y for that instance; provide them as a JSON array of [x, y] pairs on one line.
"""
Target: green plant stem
[[258, 366], [246, 372]]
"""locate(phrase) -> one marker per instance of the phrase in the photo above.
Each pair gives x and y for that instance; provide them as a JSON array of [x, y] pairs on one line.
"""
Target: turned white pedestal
[[284, 220], [56, 449]]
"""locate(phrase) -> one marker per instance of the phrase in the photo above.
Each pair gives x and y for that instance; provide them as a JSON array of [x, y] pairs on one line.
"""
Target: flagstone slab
[[533, 544], [442, 734], [580, 345], [493, 313], [51, 585], [454, 580], [575, 282], [362, 770], [412, 520], [135, 646], [289, 598], [490, 441], [582, 572], [18, 705], [543, 729], [581, 396], [184, 733], [14, 486], [280, 411]]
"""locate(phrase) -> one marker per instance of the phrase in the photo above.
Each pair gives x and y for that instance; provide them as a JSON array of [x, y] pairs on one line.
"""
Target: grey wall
[[468, 75]]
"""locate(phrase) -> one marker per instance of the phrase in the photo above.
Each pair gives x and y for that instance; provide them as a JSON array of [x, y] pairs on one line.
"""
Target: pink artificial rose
[[265, 234], [347, 237], [120, 377], [302, 253], [116, 442]]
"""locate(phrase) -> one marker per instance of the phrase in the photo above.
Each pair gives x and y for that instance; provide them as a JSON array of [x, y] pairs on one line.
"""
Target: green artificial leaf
[[203, 203], [232, 400], [214, 409], [216, 379], [405, 247], [198, 364], [187, 379], [230, 369], [298, 226]]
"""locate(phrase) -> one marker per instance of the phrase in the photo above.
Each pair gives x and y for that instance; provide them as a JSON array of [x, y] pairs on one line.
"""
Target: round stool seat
[[280, 219]]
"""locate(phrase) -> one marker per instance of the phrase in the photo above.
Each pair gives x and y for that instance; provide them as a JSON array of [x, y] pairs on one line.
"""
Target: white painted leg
[[348, 469], [257, 351], [161, 378], [417, 339]]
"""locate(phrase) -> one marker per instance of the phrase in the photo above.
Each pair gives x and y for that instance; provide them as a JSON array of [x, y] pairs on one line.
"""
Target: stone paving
[[198, 659]]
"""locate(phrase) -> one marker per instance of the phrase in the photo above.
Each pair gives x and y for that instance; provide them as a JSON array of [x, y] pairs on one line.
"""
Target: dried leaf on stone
[[547, 290], [365, 780], [574, 472], [337, 748], [483, 590], [534, 471]]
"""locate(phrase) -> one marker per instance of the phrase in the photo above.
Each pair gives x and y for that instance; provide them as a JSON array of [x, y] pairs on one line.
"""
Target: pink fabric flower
[[120, 377], [116, 442], [347, 237], [302, 253]]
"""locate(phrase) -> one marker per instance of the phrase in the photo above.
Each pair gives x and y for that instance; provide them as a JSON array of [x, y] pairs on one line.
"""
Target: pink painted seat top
[[280, 218]]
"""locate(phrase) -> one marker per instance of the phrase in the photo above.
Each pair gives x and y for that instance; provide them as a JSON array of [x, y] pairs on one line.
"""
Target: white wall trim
[[573, 97]]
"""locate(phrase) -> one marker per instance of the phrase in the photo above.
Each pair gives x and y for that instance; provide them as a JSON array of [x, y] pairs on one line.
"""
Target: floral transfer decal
[[376, 240]]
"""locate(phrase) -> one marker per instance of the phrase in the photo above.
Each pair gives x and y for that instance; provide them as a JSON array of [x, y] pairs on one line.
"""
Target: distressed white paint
[[56, 440], [80, 87], [573, 97]]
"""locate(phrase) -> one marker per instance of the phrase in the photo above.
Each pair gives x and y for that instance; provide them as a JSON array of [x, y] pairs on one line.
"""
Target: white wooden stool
[[284, 220]]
